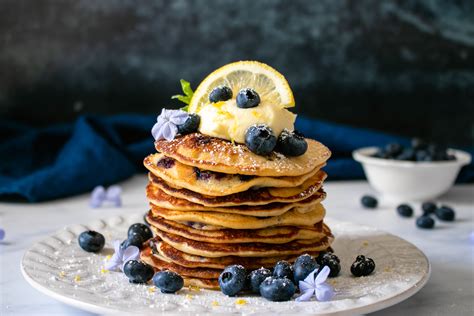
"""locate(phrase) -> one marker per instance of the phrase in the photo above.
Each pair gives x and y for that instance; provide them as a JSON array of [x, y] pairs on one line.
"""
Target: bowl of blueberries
[[418, 172]]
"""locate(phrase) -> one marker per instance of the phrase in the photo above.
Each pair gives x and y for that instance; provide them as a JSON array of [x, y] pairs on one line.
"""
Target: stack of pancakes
[[214, 203]]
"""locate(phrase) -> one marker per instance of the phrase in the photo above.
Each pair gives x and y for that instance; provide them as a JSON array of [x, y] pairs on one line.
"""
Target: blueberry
[[91, 241], [428, 208], [380, 153], [291, 143], [417, 143], [393, 149], [232, 279], [406, 154], [140, 229], [405, 210], [330, 260], [283, 269], [303, 266], [191, 124], [247, 98], [220, 93], [256, 277], [260, 139], [362, 266], [423, 155], [369, 201], [425, 222], [168, 281], [137, 271], [277, 289], [134, 240], [445, 213]]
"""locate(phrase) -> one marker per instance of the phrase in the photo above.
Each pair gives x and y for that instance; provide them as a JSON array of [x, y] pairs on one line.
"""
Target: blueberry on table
[[369, 201], [445, 213], [91, 241], [425, 222], [140, 229], [303, 266], [232, 279], [331, 261], [256, 277], [362, 266], [428, 208], [191, 124], [283, 269], [137, 271], [220, 93], [260, 139], [277, 289], [247, 98], [291, 143], [134, 240], [168, 281], [405, 210]]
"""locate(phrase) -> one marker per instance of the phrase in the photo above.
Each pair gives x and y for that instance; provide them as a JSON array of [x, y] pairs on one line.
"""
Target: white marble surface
[[450, 290]]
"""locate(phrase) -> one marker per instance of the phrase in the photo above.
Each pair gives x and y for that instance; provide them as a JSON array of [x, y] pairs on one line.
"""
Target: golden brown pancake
[[249, 197]]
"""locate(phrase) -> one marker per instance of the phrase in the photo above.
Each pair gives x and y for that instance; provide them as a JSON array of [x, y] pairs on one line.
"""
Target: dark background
[[405, 67]]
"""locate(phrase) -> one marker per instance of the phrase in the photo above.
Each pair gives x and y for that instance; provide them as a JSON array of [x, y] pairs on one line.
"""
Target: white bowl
[[403, 181]]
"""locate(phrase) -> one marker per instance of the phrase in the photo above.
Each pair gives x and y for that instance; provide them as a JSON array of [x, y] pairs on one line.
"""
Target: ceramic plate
[[59, 268]]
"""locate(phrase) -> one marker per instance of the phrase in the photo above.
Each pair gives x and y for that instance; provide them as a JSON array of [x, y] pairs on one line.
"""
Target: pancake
[[194, 261], [236, 221], [214, 183], [213, 250], [219, 155], [249, 197], [272, 235], [159, 198]]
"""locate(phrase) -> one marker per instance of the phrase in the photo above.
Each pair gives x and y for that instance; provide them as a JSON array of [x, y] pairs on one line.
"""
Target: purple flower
[[166, 126], [99, 195], [2, 234], [316, 286], [121, 256]]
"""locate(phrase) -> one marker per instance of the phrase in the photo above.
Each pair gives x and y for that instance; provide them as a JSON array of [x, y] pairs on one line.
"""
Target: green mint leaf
[[188, 93]]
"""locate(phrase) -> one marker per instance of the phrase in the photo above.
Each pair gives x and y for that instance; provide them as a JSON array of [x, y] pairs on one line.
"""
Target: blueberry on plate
[[137, 271], [247, 98], [291, 143], [428, 208], [260, 139], [232, 279], [91, 241], [331, 261], [168, 281], [405, 210], [220, 93], [256, 277], [140, 229], [445, 213], [283, 269], [303, 266], [369, 201], [277, 289], [362, 266], [134, 240], [191, 124], [425, 222]]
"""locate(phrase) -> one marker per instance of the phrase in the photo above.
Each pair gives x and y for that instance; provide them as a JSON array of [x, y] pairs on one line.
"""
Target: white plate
[[52, 265]]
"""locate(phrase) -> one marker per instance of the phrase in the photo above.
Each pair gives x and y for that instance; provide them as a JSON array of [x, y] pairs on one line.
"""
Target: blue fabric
[[40, 164]]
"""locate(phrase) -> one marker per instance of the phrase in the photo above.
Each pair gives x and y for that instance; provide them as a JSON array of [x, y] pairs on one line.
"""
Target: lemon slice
[[271, 86]]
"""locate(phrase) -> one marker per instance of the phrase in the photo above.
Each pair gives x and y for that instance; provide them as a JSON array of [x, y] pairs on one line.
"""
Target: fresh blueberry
[[140, 229], [393, 149], [418, 143], [256, 277], [380, 153], [332, 261], [428, 208], [191, 124], [232, 279], [445, 213], [168, 281], [425, 222], [283, 269], [362, 266], [369, 201], [277, 289], [260, 139], [406, 154], [220, 93], [405, 210], [423, 155], [137, 271], [291, 143], [91, 241], [247, 98], [303, 266], [134, 240]]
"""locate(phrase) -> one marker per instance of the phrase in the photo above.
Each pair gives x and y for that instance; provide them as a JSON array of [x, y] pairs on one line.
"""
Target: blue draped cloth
[[39, 164]]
